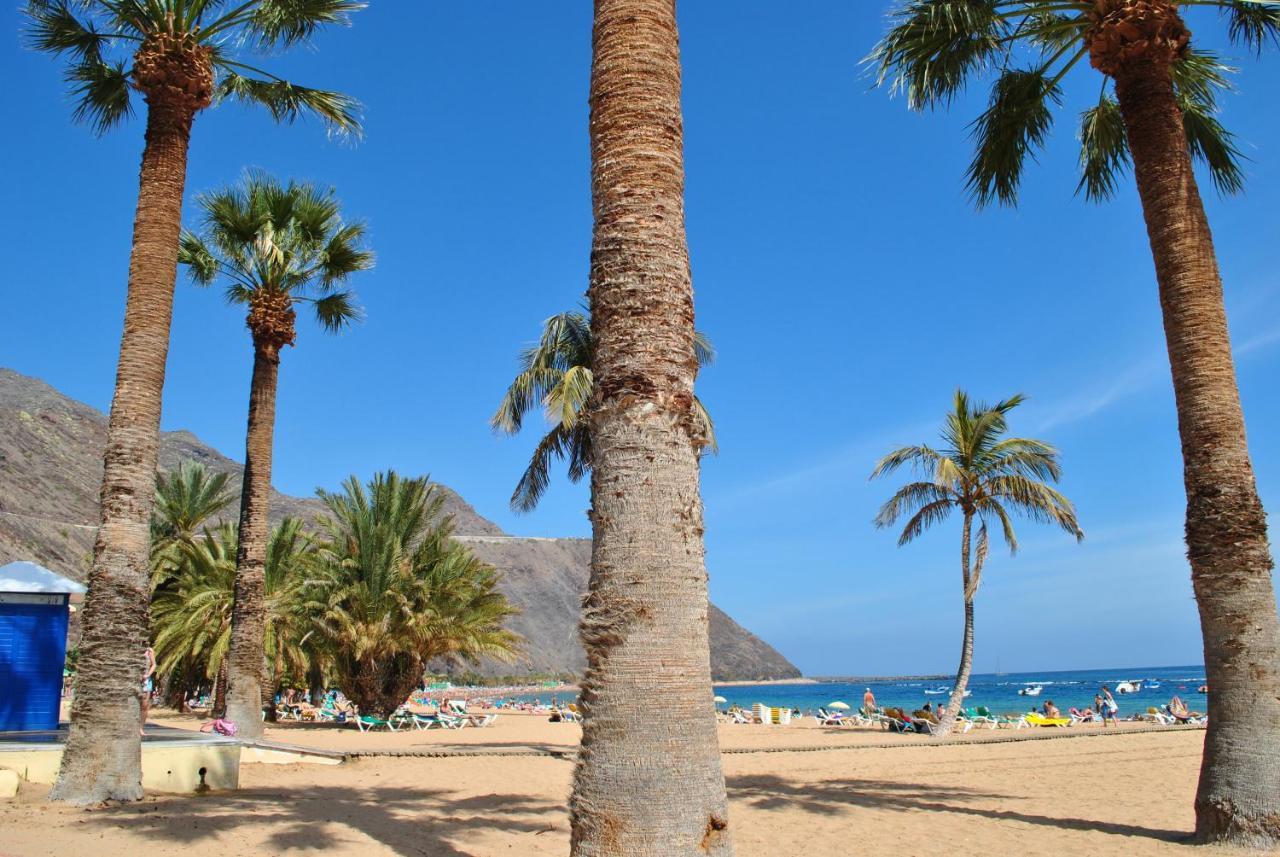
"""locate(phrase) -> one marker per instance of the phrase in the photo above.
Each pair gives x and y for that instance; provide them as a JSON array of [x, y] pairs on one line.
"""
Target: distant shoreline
[[862, 679], [750, 683]]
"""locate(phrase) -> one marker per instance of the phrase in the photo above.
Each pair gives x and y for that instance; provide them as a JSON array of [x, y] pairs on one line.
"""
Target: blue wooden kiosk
[[35, 604]]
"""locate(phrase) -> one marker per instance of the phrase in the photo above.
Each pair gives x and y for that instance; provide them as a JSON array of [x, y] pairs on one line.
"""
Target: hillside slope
[[51, 468]]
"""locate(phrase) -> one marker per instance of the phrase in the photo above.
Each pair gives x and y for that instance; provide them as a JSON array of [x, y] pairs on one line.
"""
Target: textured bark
[[644, 784], [219, 704], [380, 685], [103, 756], [1238, 800], [947, 721], [246, 659]]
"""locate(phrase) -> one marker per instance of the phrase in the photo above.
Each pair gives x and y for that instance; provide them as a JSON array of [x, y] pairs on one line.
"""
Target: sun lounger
[[1155, 715], [1034, 719], [828, 718], [369, 723]]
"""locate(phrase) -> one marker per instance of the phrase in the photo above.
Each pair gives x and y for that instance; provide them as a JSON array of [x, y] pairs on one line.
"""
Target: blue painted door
[[33, 641]]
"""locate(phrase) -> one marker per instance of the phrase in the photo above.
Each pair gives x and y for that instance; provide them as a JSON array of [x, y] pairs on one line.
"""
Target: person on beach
[[1051, 710], [869, 701], [148, 683], [1107, 707], [1178, 710]]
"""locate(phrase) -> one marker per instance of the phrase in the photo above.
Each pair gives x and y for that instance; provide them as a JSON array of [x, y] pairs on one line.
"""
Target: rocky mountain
[[51, 468]]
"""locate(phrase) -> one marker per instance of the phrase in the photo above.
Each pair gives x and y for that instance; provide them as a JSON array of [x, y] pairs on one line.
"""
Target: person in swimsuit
[[148, 682]]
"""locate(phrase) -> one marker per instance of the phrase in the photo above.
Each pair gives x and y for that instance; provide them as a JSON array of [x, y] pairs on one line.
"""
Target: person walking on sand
[[148, 683], [869, 701], [1108, 708]]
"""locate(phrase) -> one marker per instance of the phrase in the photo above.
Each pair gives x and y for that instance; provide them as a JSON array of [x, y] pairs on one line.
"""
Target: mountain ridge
[[51, 469]]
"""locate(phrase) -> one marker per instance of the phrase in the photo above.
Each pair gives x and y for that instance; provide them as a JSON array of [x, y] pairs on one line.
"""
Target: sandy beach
[[860, 790]]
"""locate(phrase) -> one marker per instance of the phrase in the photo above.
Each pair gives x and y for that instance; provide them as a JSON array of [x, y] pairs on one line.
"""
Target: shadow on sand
[[408, 821], [832, 797]]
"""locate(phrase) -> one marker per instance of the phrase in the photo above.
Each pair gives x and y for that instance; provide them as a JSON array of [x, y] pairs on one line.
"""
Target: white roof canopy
[[29, 577]]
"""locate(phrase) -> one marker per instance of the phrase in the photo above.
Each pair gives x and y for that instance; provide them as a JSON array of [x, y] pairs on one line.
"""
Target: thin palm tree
[[182, 56], [1156, 112], [192, 615], [555, 375], [987, 477], [394, 591], [274, 246], [644, 784]]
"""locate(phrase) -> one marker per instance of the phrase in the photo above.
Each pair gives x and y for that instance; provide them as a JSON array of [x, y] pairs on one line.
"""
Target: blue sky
[[842, 274]]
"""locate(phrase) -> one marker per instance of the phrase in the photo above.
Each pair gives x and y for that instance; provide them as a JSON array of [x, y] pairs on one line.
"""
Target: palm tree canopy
[[980, 471], [392, 581], [187, 497], [934, 48], [99, 39], [555, 375], [274, 244]]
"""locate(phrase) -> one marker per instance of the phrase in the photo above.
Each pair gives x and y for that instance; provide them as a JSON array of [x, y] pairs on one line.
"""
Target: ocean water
[[1067, 689]]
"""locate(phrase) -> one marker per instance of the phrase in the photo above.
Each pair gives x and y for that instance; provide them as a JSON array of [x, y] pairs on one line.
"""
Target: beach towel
[[222, 727]]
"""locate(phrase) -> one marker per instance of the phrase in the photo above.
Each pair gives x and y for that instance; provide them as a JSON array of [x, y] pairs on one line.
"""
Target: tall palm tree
[[1156, 112], [644, 785], [182, 56], [986, 477], [556, 375], [274, 246], [394, 591]]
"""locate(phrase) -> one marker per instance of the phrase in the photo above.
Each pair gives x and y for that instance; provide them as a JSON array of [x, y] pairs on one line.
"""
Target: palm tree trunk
[[219, 706], [103, 757], [643, 784], [246, 668], [956, 702], [1238, 800]]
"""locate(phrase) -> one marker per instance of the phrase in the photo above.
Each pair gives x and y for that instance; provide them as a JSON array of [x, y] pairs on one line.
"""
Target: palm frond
[[1253, 23], [1014, 125], [202, 264], [287, 101], [101, 92], [1197, 80], [537, 476], [288, 22], [53, 27], [336, 311], [935, 46], [1104, 150], [922, 459], [933, 513], [910, 499]]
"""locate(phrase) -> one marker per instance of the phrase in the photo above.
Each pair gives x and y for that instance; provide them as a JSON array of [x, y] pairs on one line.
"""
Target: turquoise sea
[[999, 692]]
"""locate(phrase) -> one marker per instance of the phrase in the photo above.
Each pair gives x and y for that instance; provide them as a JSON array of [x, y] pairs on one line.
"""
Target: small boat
[[1204, 688], [1030, 691], [936, 692], [1129, 686], [1151, 684]]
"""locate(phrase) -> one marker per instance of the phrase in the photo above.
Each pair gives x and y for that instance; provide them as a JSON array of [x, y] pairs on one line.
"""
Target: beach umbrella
[[719, 700], [839, 706]]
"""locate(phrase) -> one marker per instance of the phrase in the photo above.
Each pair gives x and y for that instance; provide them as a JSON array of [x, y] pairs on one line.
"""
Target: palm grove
[[647, 785]]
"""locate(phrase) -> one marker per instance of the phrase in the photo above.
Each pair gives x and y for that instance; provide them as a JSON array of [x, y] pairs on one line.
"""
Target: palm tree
[[182, 56], [1156, 112], [192, 615], [185, 499], [643, 784], [986, 476], [394, 591], [274, 246], [556, 375]]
